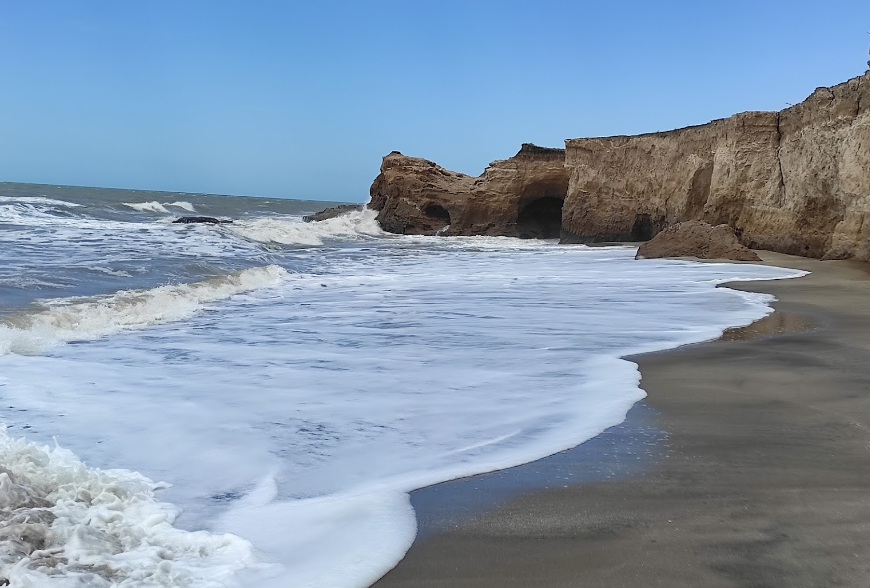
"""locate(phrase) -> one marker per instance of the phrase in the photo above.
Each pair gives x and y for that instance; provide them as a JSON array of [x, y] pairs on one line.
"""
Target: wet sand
[[762, 478]]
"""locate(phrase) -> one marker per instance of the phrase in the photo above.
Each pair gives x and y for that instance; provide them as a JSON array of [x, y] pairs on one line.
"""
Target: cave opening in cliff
[[436, 217], [541, 218], [436, 212]]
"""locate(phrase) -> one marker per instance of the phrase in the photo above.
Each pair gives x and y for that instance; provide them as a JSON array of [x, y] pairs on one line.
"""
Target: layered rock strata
[[795, 181], [697, 239]]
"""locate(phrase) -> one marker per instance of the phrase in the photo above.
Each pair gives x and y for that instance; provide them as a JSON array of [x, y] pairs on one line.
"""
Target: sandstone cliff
[[417, 197], [795, 181]]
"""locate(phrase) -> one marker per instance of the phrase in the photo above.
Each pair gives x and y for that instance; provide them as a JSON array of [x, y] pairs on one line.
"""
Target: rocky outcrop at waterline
[[332, 212], [208, 220], [517, 197], [795, 181], [697, 239]]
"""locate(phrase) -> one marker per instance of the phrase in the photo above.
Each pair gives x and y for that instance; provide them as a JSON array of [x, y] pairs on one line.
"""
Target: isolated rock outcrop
[[795, 181], [697, 239], [517, 197], [209, 220], [332, 212]]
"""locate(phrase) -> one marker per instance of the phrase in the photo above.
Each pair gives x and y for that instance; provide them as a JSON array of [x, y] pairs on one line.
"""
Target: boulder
[[697, 239]]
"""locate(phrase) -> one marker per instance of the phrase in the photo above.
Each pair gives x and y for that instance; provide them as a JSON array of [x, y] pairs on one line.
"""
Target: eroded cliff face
[[795, 181], [518, 197]]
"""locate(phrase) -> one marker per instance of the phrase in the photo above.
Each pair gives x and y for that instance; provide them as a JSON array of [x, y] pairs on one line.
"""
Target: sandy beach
[[761, 475]]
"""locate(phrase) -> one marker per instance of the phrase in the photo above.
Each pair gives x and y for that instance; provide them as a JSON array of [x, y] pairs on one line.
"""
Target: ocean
[[250, 404]]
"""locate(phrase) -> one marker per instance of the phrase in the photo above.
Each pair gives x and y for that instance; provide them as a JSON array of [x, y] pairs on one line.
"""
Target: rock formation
[[697, 239], [210, 220], [332, 212], [795, 181], [517, 197]]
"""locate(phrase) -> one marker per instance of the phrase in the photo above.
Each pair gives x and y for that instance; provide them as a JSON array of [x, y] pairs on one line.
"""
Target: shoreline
[[761, 478]]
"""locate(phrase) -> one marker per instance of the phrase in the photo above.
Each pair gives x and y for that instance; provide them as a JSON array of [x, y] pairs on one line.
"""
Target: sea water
[[251, 403]]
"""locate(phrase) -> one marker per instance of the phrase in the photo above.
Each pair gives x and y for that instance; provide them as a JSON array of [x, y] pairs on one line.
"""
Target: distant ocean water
[[250, 403]]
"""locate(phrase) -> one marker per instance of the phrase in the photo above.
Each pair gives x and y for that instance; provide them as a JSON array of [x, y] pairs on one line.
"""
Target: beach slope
[[763, 480]]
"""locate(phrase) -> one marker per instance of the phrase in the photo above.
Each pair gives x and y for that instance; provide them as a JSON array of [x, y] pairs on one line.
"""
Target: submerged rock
[[697, 239], [332, 212], [186, 220]]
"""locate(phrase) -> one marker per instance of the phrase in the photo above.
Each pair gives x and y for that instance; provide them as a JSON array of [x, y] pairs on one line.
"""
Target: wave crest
[[181, 204], [293, 231], [37, 200], [69, 319], [152, 206], [155, 206]]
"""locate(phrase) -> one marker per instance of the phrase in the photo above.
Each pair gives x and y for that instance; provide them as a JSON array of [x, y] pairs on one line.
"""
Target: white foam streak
[[152, 206], [155, 206], [67, 525], [38, 200], [71, 319], [182, 204], [293, 231], [361, 531]]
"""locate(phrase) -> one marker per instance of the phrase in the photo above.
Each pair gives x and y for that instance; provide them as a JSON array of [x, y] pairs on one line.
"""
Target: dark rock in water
[[185, 220], [332, 212]]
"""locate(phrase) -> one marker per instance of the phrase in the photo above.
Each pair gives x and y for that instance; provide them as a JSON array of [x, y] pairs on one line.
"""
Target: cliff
[[795, 181]]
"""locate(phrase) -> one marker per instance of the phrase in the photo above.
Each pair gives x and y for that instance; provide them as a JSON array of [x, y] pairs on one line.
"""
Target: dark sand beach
[[761, 477]]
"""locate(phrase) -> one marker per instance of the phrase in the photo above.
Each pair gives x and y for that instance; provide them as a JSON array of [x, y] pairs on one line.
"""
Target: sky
[[303, 99]]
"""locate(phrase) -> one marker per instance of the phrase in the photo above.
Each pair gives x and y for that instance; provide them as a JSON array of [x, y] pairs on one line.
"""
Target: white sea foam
[[300, 418], [65, 525], [152, 206], [38, 200], [109, 271], [293, 231], [70, 319], [155, 206], [181, 204]]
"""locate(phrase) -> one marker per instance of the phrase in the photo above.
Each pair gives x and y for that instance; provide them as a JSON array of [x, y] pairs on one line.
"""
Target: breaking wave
[[293, 231], [69, 319], [64, 525], [152, 206], [37, 200], [155, 206], [182, 204]]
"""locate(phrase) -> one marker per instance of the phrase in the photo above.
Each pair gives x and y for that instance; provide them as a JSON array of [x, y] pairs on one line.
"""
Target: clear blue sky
[[302, 99]]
